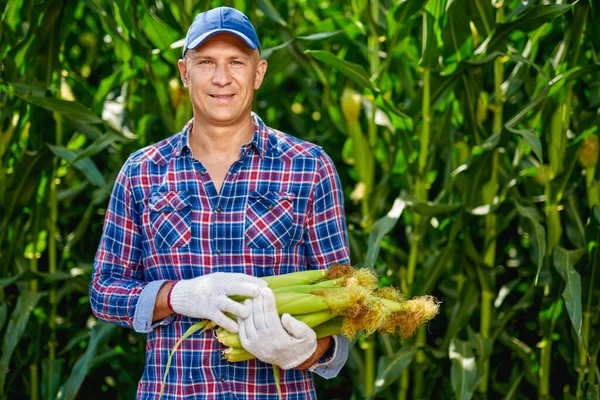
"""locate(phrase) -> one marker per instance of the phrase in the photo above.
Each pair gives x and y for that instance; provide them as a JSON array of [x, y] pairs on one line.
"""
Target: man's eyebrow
[[231, 57]]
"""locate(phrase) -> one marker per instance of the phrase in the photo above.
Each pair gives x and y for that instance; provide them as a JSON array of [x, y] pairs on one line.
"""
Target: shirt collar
[[183, 141], [259, 141]]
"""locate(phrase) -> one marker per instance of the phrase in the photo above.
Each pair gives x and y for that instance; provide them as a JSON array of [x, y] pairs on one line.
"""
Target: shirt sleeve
[[142, 319], [334, 359], [326, 244], [117, 279], [326, 238]]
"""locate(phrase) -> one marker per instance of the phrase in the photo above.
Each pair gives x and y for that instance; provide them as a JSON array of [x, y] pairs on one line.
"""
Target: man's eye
[[206, 62], [236, 62]]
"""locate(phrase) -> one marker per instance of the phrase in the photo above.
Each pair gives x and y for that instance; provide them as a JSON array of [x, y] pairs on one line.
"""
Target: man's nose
[[222, 75]]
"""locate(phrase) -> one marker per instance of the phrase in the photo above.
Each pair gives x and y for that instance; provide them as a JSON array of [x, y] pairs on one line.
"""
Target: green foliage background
[[465, 133]]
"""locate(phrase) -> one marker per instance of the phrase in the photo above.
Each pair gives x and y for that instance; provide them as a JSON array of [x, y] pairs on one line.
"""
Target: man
[[201, 215]]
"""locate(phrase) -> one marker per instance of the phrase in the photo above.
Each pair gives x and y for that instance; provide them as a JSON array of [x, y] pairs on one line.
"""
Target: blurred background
[[465, 133]]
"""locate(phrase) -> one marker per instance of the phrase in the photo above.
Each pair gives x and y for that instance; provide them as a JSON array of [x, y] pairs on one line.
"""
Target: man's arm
[[161, 306], [117, 279], [323, 345], [326, 244]]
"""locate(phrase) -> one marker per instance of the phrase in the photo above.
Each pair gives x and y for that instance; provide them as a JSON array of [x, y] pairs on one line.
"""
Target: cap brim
[[201, 39]]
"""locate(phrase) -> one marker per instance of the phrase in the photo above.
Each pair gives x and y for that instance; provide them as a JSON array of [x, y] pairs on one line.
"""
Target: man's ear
[[261, 69], [183, 71]]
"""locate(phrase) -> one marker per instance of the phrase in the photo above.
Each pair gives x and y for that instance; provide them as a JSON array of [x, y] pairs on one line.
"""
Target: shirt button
[[222, 379], [203, 172], [219, 210], [218, 252], [270, 208]]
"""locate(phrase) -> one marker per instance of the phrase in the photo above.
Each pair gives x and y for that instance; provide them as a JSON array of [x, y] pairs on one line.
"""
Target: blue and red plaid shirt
[[279, 210]]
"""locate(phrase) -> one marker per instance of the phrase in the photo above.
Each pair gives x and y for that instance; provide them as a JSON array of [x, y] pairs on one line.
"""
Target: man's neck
[[208, 140]]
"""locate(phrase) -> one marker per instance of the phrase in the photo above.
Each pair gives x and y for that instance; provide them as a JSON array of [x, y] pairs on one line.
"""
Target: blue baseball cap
[[221, 19]]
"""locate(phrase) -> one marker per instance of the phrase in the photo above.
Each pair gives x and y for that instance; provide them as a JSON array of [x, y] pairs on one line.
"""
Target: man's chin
[[224, 117]]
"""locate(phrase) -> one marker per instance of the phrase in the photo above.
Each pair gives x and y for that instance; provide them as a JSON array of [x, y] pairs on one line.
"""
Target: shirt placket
[[218, 246], [219, 214]]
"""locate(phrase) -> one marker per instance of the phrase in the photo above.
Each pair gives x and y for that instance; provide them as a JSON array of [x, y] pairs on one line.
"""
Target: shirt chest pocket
[[170, 218], [269, 219]]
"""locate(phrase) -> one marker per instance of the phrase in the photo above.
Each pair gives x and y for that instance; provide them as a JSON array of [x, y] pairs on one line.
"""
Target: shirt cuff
[[144, 310], [330, 366]]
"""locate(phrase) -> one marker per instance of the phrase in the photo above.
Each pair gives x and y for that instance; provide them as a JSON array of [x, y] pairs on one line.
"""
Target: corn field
[[465, 133]]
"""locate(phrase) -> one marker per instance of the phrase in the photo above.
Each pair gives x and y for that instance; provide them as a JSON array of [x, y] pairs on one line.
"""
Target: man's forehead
[[224, 40]]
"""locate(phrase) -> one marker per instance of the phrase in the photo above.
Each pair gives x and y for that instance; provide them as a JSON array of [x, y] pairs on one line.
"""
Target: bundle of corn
[[340, 300]]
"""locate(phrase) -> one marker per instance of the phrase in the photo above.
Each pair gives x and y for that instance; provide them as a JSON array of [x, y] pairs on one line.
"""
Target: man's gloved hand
[[207, 297], [285, 342]]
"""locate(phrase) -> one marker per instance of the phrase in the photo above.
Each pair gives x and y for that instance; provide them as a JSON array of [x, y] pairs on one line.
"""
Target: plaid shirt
[[279, 210]]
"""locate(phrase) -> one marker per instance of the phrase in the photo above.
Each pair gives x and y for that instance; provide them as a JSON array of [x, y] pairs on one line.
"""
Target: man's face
[[222, 75]]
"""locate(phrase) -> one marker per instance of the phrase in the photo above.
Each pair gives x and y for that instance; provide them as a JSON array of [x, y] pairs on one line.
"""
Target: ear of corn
[[295, 278], [341, 300], [309, 303]]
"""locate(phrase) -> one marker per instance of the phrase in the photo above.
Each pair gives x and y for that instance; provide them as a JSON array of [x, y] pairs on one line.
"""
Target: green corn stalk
[[421, 182], [420, 194], [588, 313], [33, 284], [52, 226], [546, 354], [490, 191], [554, 225], [373, 43]]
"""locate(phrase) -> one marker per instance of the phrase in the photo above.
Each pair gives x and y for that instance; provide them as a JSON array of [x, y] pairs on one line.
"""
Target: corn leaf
[[532, 140], [100, 334], [428, 208], [14, 331], [593, 392], [461, 313], [277, 377], [380, 228], [3, 314], [109, 138], [483, 347], [513, 392], [266, 53], [389, 368], [457, 31], [270, 11], [356, 72], [190, 331], [539, 234], [70, 109], [532, 19], [429, 46], [86, 166], [463, 373], [51, 373], [161, 34], [319, 36], [564, 262]]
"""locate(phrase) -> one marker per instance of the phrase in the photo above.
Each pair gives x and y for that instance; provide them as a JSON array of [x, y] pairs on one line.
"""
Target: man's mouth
[[221, 96]]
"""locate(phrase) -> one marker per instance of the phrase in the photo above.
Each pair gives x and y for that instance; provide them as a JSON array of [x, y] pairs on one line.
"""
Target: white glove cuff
[[179, 297]]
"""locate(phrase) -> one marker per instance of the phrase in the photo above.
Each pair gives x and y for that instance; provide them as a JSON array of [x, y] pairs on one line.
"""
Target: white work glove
[[207, 297], [285, 342]]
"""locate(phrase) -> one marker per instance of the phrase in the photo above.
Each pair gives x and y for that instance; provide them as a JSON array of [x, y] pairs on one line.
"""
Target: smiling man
[[202, 215]]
